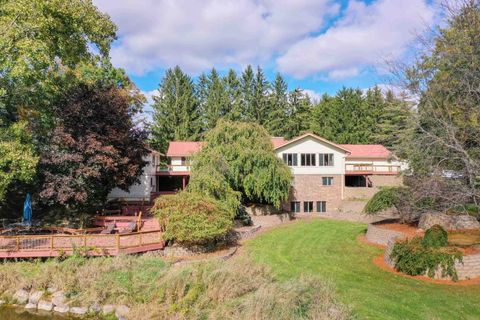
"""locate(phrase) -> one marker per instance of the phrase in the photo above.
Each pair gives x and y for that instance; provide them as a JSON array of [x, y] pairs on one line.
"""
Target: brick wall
[[309, 188]]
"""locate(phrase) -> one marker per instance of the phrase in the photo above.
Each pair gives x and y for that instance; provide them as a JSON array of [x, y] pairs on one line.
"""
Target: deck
[[148, 238]]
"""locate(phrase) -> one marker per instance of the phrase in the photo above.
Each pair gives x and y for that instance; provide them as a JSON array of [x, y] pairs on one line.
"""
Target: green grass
[[330, 250]]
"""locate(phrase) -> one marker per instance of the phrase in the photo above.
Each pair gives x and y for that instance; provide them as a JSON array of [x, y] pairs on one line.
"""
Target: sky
[[317, 45]]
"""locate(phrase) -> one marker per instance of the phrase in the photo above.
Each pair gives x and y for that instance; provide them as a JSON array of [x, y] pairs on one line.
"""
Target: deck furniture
[[130, 228], [109, 229]]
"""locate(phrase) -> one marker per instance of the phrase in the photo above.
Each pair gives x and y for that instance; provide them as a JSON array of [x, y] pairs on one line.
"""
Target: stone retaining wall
[[379, 235], [470, 268]]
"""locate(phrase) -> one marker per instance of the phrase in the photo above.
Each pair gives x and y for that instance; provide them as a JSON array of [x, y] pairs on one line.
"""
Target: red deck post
[[183, 183]]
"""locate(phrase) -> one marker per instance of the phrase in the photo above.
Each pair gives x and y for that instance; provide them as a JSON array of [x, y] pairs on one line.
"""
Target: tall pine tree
[[176, 111]]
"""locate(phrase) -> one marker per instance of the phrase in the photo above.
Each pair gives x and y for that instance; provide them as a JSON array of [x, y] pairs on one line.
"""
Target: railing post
[[85, 241], [51, 243], [18, 244], [117, 236], [141, 239]]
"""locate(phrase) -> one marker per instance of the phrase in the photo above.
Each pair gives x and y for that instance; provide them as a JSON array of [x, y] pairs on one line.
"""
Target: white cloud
[[315, 96], [200, 34], [365, 35]]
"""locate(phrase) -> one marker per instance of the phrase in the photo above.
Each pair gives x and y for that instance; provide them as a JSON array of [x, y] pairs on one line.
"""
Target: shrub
[[384, 199], [435, 237], [413, 258], [191, 218]]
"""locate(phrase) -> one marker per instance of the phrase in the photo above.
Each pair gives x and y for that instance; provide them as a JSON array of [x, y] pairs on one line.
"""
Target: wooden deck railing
[[372, 168], [98, 244]]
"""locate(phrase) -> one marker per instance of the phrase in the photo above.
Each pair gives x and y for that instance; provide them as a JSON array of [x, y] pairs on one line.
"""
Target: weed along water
[[8, 313]]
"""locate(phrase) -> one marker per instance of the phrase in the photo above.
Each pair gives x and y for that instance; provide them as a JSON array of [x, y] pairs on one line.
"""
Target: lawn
[[330, 250]]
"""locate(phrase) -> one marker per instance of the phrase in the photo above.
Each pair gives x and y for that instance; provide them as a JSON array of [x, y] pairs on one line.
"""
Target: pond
[[7, 313]]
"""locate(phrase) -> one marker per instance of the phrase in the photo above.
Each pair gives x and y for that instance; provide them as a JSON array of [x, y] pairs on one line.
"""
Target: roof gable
[[315, 137], [183, 148]]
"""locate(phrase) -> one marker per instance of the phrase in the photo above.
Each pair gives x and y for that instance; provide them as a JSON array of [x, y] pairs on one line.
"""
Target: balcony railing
[[172, 168], [370, 168]]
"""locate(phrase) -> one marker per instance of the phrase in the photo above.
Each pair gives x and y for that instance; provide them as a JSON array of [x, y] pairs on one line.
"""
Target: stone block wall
[[381, 236], [470, 268]]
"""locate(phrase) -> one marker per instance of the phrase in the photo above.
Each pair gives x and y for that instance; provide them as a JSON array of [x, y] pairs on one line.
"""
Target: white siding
[[311, 145], [142, 190]]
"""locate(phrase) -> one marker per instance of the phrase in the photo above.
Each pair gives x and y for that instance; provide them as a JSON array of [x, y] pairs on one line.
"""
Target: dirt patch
[[380, 262]]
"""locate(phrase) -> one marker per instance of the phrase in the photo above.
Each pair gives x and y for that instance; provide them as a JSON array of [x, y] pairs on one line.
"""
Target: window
[[308, 159], [290, 159], [308, 206], [321, 206], [327, 181], [325, 159], [295, 206]]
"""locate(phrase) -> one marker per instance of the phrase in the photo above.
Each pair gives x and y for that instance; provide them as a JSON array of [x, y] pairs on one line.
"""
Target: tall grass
[[235, 289]]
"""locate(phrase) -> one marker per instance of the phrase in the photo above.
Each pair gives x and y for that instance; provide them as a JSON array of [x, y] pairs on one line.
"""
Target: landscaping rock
[[78, 310], [448, 222], [58, 298], [52, 290], [95, 308], [30, 306], [45, 305], [35, 297], [108, 308], [2, 302], [121, 311], [21, 296], [61, 309]]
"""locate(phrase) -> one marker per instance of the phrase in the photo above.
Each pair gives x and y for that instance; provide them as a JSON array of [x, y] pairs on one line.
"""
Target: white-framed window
[[325, 159], [291, 159], [307, 159], [295, 206], [321, 206], [308, 206], [327, 181]]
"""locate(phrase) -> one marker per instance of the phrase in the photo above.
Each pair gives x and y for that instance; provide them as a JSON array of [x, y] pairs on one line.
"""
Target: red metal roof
[[278, 141], [187, 148], [366, 151], [183, 148]]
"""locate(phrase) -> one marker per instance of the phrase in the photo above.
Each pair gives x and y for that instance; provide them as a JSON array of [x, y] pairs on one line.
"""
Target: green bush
[[191, 218], [413, 258], [435, 237], [386, 198]]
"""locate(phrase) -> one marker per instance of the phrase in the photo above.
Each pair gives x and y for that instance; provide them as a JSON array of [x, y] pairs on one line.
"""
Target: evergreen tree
[[260, 111], [213, 99], [176, 112], [278, 100], [247, 91], [299, 107], [393, 121], [233, 95]]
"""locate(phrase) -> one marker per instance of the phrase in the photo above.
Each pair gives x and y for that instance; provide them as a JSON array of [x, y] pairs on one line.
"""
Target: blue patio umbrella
[[27, 210]]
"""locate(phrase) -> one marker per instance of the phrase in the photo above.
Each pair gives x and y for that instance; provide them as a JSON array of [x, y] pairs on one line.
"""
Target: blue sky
[[317, 45]]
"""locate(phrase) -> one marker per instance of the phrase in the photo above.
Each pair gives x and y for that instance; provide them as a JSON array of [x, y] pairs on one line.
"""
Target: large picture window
[[290, 159], [325, 159], [308, 159], [308, 206]]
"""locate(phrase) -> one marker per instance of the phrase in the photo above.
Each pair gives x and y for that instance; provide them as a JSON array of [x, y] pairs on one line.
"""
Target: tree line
[[186, 109]]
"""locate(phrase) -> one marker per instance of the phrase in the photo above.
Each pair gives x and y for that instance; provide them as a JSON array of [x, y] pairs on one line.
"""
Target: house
[[324, 173]]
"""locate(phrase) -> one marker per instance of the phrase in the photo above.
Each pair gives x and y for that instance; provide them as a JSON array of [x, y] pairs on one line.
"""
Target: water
[[7, 313]]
